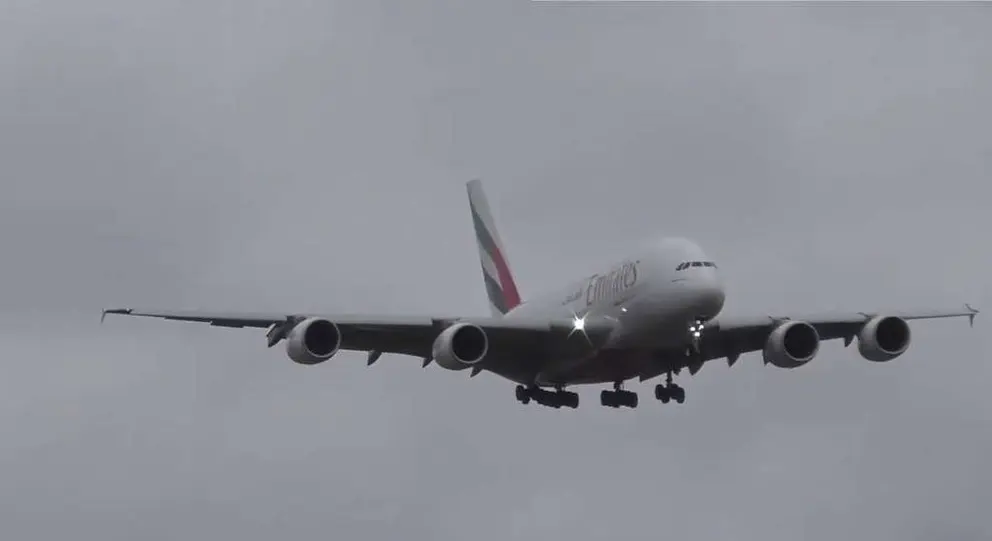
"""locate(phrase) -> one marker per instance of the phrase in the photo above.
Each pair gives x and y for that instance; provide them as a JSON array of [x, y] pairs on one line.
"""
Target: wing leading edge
[[732, 336], [405, 335]]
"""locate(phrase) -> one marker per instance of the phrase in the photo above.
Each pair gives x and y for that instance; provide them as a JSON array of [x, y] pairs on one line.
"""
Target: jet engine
[[792, 344], [313, 341], [460, 346], [883, 338]]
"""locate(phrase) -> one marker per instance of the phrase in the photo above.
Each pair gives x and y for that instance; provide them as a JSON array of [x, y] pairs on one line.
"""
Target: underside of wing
[[510, 347], [792, 341]]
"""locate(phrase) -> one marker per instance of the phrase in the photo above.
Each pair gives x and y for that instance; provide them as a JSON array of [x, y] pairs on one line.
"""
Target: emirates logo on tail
[[500, 286]]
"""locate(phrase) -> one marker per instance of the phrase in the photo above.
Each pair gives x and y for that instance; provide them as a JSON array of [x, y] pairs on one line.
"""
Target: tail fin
[[500, 287]]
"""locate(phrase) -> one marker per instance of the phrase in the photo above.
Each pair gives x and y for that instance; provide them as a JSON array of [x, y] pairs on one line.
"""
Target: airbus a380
[[654, 313]]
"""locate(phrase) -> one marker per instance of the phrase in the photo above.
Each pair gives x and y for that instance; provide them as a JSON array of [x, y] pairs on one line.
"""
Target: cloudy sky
[[302, 155]]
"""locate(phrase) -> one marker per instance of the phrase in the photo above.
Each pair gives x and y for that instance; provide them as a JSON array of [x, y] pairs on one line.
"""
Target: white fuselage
[[654, 295]]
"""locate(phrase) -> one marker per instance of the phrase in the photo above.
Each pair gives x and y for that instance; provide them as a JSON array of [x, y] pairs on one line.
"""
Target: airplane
[[654, 313]]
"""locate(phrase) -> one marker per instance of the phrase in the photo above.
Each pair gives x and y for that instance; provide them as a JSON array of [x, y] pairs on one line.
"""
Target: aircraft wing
[[735, 335], [406, 335]]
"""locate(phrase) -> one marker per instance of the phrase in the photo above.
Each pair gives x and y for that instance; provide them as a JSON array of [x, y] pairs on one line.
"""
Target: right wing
[[751, 332], [508, 338], [731, 337]]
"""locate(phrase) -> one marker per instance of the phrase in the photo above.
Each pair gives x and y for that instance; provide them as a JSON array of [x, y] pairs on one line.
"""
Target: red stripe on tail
[[511, 296]]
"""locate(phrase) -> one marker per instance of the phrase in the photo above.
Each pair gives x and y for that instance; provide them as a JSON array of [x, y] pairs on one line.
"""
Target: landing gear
[[618, 397], [568, 399], [553, 399], [669, 391], [695, 335]]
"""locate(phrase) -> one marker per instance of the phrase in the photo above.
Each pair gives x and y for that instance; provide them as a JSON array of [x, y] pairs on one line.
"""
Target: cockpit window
[[686, 264]]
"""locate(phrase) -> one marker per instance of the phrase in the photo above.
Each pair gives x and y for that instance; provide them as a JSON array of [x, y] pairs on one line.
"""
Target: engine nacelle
[[313, 341], [460, 346], [883, 338], [792, 344]]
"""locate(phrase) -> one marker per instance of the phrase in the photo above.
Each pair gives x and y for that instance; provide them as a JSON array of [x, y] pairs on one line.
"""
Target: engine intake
[[792, 344], [883, 338], [313, 341], [460, 346]]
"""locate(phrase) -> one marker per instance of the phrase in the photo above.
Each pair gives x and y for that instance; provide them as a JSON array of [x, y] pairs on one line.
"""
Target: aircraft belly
[[650, 325], [649, 318], [610, 366]]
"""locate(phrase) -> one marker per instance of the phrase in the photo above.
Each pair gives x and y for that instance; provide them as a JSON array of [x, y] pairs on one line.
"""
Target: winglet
[[971, 316], [106, 311]]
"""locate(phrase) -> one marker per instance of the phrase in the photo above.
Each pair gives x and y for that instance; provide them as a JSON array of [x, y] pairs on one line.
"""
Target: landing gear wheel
[[569, 399], [669, 391], [616, 399], [552, 399], [629, 398]]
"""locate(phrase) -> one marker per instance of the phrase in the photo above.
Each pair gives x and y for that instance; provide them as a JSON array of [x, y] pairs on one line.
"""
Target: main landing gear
[[669, 391], [618, 397], [553, 399]]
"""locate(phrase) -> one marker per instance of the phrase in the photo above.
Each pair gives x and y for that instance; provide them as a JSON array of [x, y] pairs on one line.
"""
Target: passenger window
[[708, 264], [697, 264]]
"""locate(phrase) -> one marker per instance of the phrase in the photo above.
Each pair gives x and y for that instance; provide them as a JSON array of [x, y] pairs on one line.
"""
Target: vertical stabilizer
[[500, 286]]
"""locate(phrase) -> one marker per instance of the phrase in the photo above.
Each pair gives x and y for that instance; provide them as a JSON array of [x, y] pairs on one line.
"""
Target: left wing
[[508, 338], [732, 336]]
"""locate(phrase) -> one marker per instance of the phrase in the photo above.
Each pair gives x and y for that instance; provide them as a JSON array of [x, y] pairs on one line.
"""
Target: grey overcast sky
[[302, 155]]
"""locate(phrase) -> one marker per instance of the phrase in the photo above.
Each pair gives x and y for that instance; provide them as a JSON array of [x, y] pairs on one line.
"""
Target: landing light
[[579, 323], [579, 326]]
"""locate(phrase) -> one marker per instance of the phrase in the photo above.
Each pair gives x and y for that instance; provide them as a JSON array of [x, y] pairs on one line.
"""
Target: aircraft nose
[[709, 293]]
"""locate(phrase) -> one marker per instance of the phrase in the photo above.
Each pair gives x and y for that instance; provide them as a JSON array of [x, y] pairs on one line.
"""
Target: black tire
[[661, 393], [679, 394], [631, 400], [522, 394], [607, 399]]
